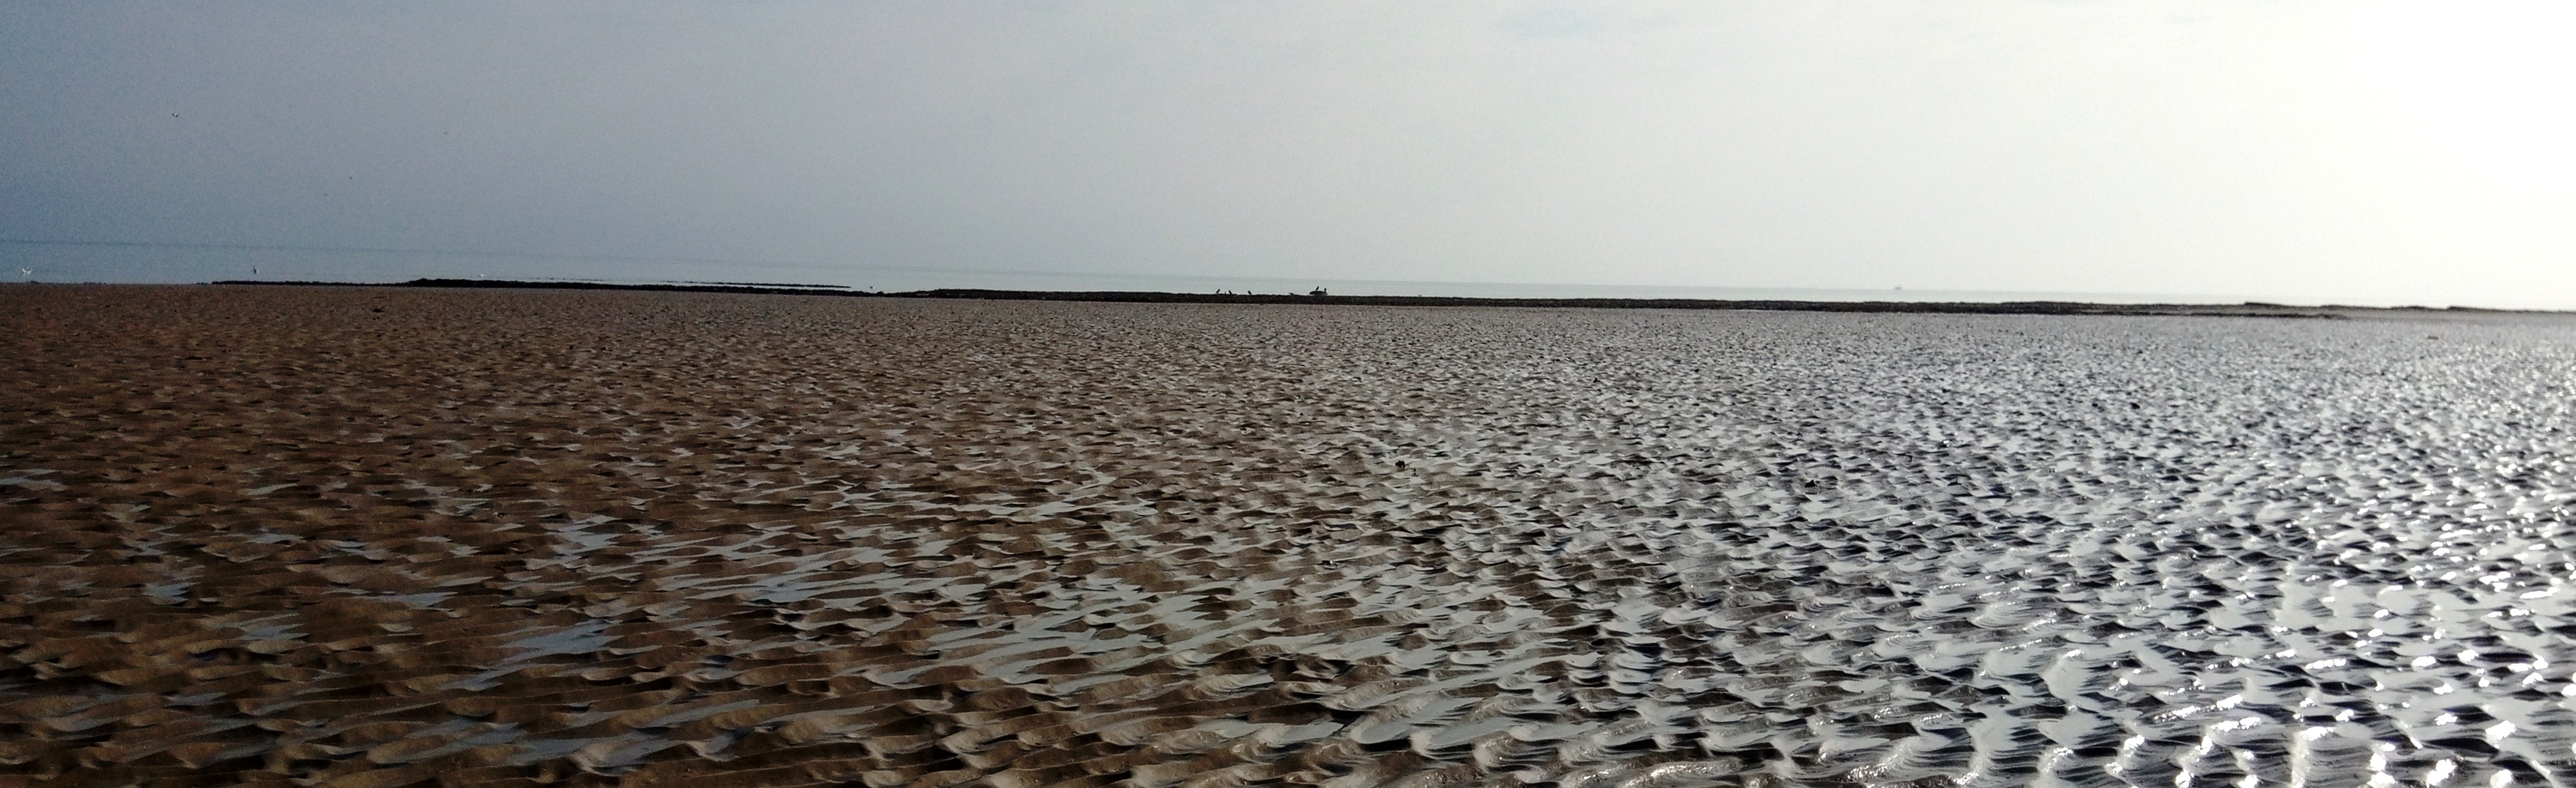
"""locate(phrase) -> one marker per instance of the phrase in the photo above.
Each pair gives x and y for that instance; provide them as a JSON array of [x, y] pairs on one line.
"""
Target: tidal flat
[[415, 536]]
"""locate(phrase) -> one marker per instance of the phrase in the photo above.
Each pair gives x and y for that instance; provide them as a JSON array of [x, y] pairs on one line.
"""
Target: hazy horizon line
[[1299, 282]]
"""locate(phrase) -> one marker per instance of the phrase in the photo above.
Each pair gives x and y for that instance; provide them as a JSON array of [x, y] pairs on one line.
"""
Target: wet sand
[[389, 536]]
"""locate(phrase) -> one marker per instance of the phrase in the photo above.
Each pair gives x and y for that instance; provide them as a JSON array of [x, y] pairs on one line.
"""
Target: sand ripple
[[397, 537]]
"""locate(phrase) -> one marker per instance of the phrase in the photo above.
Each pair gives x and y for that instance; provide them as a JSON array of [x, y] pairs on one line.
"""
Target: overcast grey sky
[[2324, 151]]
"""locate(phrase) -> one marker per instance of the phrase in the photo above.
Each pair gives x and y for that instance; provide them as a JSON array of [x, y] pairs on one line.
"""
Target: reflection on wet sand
[[395, 537]]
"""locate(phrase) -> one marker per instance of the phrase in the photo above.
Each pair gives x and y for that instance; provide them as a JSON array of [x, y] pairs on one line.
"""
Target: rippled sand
[[389, 537]]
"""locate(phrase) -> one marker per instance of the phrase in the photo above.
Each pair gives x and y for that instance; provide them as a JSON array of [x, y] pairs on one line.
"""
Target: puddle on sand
[[622, 538]]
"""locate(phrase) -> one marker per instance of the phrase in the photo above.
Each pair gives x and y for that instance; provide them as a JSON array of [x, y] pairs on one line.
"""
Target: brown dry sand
[[385, 537]]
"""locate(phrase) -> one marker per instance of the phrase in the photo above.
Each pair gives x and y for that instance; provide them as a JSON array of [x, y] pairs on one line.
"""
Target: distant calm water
[[162, 264]]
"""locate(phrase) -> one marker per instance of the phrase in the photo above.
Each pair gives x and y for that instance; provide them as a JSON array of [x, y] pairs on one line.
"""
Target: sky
[[2308, 152]]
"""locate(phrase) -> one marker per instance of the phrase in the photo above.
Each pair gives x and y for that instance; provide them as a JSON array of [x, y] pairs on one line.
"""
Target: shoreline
[[2246, 309]]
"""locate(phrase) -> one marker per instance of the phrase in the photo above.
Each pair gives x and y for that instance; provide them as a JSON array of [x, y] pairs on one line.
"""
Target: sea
[[190, 263]]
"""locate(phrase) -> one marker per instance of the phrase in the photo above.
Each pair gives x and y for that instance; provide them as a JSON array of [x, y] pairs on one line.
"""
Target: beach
[[426, 536]]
